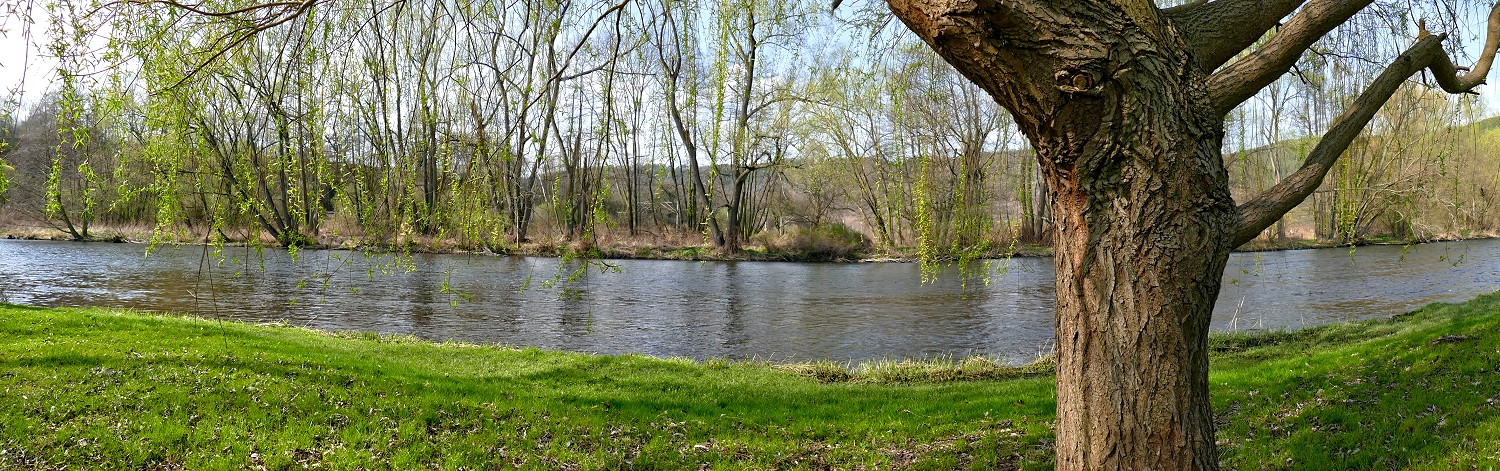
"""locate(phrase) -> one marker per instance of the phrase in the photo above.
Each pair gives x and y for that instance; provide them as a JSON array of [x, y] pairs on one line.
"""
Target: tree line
[[487, 125]]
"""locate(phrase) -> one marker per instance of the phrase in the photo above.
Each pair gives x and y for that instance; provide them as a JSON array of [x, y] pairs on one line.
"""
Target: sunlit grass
[[1418, 392], [99, 389], [95, 388]]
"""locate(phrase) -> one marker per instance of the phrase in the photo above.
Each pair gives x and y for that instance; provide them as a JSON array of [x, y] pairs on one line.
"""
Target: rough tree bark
[[1129, 145], [1125, 105]]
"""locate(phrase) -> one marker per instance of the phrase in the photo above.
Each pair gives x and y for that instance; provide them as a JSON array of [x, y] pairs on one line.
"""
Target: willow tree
[[1125, 103]]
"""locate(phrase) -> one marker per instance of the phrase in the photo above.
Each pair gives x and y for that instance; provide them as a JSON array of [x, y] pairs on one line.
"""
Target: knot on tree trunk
[[1076, 81]]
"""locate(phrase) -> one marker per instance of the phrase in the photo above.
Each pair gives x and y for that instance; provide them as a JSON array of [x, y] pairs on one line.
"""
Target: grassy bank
[[85, 389], [1263, 245]]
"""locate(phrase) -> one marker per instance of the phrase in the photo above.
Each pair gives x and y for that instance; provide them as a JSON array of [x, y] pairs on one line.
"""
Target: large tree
[[1125, 104]]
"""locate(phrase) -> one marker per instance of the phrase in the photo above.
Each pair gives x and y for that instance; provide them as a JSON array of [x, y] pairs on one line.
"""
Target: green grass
[[1421, 391], [98, 389], [86, 389]]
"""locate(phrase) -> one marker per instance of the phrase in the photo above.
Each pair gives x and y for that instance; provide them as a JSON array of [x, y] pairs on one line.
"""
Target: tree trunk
[[1037, 217], [1139, 259], [1129, 146], [732, 208], [699, 192], [1144, 209]]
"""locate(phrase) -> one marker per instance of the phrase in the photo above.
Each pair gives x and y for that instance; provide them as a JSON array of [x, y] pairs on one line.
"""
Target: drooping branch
[[1427, 53], [1217, 31], [247, 23], [1241, 80], [257, 10]]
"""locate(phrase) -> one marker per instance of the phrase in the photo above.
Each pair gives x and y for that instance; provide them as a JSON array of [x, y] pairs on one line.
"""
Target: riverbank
[[789, 247], [1264, 245], [648, 250], [87, 387], [688, 247]]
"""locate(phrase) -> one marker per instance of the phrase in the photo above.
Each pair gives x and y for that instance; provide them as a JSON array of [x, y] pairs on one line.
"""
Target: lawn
[[103, 389]]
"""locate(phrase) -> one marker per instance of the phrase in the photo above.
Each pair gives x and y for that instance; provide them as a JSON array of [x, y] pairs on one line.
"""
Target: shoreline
[[696, 253], [1311, 244], [939, 368]]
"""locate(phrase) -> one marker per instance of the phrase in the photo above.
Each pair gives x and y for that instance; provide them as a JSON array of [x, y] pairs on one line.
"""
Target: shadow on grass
[[1418, 392]]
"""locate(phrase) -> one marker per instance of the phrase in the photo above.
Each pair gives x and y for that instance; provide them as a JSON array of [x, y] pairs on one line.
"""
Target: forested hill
[[1412, 176]]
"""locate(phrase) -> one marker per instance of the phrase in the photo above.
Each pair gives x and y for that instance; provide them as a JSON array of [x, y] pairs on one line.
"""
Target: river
[[763, 310]]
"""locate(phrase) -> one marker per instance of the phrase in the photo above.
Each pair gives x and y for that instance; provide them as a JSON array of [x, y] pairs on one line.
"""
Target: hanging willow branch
[[248, 22]]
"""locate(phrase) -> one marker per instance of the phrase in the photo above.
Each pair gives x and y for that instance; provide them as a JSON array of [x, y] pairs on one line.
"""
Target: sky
[[16, 58], [19, 59]]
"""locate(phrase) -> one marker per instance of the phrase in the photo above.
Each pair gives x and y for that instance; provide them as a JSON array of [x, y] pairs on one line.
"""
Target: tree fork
[[1128, 143], [1126, 110]]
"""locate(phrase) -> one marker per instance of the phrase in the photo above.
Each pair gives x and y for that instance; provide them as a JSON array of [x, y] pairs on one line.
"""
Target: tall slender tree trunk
[[1038, 211], [699, 202]]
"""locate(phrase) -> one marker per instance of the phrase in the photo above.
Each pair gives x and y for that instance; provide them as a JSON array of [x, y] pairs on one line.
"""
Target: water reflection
[[780, 311], [1308, 287]]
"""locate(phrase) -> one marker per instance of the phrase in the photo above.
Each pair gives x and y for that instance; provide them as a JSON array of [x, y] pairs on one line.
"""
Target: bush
[[825, 242]]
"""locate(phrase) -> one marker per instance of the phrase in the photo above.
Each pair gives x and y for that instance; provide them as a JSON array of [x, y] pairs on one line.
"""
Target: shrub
[[825, 242]]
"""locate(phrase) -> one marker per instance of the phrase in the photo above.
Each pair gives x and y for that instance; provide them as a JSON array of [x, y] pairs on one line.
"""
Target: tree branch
[[194, 8], [586, 35], [248, 22], [1427, 53], [1239, 81], [1446, 73], [1217, 31]]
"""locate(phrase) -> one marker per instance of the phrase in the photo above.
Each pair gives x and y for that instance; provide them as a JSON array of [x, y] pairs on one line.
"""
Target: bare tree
[[957, 129], [853, 131], [756, 28], [674, 41]]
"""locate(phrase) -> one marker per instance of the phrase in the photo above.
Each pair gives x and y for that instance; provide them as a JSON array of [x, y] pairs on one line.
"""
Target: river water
[[766, 310]]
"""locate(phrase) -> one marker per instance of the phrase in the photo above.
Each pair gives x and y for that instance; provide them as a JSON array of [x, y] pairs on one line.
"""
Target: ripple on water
[[786, 311]]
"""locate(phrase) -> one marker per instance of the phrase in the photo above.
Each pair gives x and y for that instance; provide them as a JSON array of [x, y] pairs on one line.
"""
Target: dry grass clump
[[936, 370], [15, 225]]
